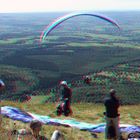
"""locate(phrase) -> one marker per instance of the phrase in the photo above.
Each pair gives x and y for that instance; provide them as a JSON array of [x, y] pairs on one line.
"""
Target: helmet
[[112, 92], [64, 83], [1, 83]]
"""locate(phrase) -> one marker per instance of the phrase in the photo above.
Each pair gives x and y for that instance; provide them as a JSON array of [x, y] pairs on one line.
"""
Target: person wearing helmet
[[65, 99], [65, 91]]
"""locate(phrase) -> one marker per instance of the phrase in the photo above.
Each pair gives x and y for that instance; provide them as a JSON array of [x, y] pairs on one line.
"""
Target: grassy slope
[[91, 113]]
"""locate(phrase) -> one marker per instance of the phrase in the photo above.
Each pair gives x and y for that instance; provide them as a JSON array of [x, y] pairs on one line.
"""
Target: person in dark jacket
[[65, 100], [112, 116]]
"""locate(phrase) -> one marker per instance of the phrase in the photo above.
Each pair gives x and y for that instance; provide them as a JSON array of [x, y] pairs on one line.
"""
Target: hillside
[[91, 113], [30, 68]]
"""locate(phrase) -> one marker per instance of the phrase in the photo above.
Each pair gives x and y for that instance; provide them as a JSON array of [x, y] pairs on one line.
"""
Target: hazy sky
[[67, 5]]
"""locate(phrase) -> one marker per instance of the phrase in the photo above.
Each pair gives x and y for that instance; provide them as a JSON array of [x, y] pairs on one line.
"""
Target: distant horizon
[[31, 12]]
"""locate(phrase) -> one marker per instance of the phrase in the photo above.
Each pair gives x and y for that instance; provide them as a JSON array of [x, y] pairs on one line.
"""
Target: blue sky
[[67, 5]]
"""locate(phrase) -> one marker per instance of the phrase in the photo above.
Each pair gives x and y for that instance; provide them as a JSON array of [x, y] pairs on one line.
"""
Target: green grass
[[123, 78], [90, 113], [28, 40], [104, 36], [19, 79]]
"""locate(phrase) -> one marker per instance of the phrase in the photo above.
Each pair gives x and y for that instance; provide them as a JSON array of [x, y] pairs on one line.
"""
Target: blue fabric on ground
[[123, 128], [131, 129], [17, 114]]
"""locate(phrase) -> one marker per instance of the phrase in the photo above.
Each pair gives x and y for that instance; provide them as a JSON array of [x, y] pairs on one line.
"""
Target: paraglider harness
[[63, 108]]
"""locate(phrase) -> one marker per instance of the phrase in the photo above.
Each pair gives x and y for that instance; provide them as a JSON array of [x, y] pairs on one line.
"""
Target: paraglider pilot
[[65, 99]]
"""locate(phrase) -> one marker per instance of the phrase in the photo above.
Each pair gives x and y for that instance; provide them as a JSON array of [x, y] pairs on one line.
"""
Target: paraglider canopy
[[58, 21]]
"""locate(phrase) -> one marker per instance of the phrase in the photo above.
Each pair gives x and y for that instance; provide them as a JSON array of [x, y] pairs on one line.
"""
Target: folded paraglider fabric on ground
[[16, 114], [123, 128], [20, 115]]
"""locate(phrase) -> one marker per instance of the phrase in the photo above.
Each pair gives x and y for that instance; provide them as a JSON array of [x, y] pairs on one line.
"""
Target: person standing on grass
[[112, 116], [65, 99]]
